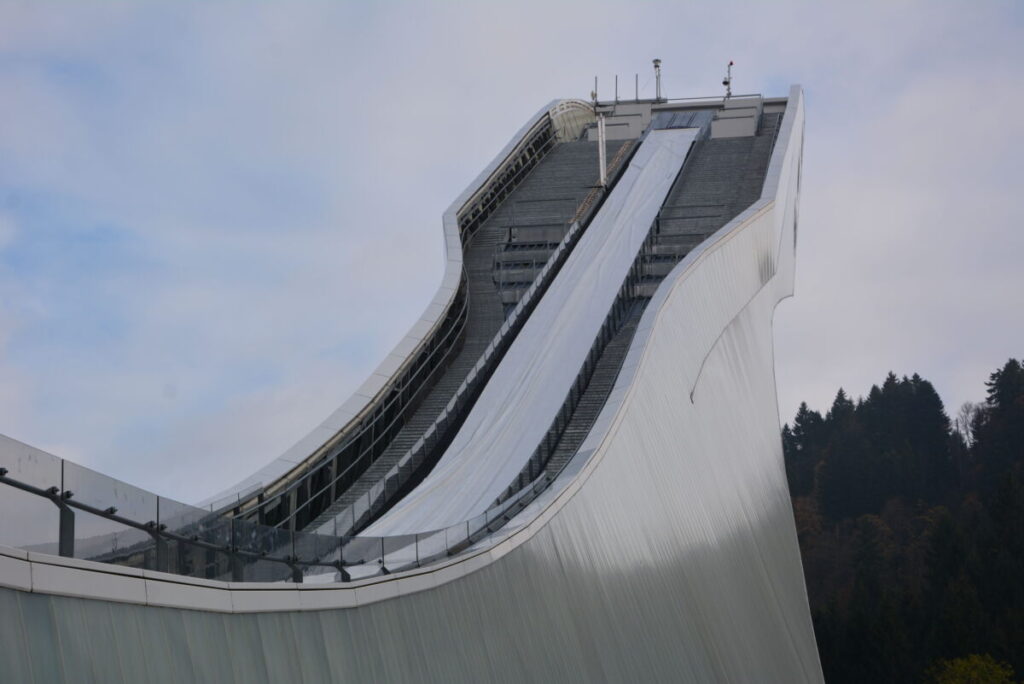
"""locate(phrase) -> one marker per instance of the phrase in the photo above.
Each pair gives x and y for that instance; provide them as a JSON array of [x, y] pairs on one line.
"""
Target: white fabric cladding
[[527, 389]]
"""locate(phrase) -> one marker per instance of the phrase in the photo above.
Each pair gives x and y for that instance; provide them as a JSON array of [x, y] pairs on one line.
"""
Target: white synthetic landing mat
[[527, 389]]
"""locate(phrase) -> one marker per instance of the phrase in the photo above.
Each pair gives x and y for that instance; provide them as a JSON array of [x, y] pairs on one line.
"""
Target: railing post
[[296, 570], [66, 539], [383, 568], [183, 566], [159, 545]]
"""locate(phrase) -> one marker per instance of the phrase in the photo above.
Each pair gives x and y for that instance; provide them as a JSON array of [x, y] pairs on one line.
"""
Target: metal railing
[[143, 530], [363, 510], [149, 532], [306, 492]]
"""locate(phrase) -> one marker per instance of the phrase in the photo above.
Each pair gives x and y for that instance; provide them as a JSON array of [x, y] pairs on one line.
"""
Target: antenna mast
[[657, 80], [727, 81]]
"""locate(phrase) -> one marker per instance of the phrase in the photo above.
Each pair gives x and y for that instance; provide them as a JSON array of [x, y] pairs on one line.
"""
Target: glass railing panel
[[361, 551], [430, 546], [28, 465], [213, 530], [360, 506], [319, 574], [103, 540], [179, 518], [316, 548], [227, 502], [265, 571], [260, 539], [100, 491], [28, 521], [456, 537], [400, 552]]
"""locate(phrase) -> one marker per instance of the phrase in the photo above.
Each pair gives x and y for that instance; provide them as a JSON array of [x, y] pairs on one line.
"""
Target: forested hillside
[[911, 527]]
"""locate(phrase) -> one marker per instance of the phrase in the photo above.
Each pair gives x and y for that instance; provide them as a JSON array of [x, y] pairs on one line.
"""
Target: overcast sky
[[216, 220]]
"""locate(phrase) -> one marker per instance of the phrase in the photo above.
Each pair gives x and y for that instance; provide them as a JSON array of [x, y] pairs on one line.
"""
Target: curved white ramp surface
[[666, 552], [516, 407]]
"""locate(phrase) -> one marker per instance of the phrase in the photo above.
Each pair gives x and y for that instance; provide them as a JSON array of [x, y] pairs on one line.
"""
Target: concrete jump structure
[[637, 530]]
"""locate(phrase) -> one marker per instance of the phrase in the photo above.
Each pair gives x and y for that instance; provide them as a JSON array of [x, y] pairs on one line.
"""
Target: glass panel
[[195, 561], [229, 499], [319, 573], [178, 517], [478, 527], [361, 551], [103, 540], [102, 492], [376, 491], [361, 506], [400, 552], [265, 571], [316, 547], [455, 537], [29, 465], [28, 521], [431, 546]]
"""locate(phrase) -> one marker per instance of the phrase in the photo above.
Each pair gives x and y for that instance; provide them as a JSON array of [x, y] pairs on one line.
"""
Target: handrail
[[470, 216], [65, 500], [533, 145], [421, 387], [361, 512]]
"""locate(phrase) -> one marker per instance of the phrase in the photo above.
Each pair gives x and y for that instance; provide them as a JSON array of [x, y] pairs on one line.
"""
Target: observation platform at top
[[735, 116]]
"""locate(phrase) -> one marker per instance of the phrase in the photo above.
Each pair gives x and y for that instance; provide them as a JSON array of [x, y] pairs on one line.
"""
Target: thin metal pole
[[601, 157], [636, 83], [657, 80], [66, 540]]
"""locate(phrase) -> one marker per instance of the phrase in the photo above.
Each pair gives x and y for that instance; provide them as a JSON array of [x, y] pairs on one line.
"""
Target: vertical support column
[[601, 152], [66, 540]]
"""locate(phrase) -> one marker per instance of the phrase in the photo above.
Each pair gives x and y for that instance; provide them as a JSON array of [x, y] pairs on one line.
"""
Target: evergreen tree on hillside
[[999, 425], [800, 446], [911, 531]]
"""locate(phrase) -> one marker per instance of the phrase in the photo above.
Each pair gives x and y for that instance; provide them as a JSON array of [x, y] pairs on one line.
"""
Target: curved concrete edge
[[410, 344], [781, 181], [781, 160], [46, 574]]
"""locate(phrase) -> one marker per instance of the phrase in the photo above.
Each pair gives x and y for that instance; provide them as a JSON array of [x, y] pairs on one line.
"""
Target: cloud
[[8, 231]]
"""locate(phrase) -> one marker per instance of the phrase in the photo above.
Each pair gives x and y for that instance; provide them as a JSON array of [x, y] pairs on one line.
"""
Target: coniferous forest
[[911, 528]]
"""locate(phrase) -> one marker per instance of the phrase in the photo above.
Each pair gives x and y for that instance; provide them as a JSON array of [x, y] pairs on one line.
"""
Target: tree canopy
[[911, 529]]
